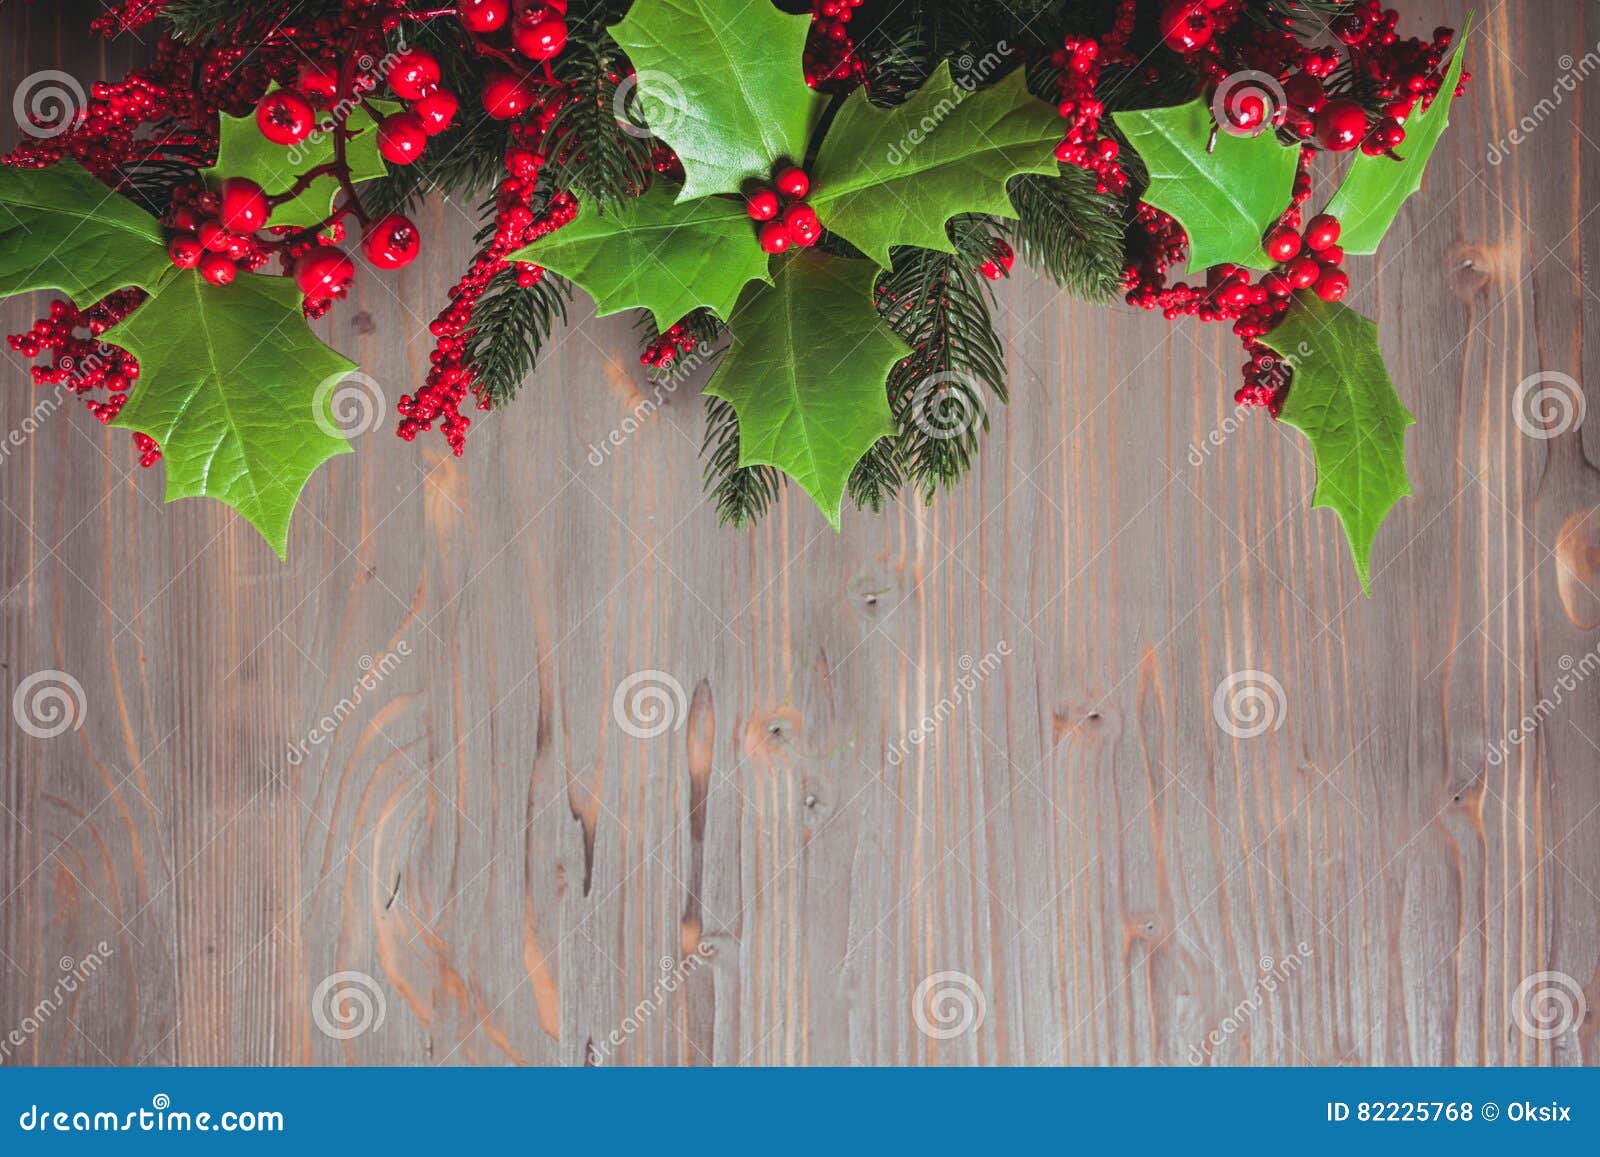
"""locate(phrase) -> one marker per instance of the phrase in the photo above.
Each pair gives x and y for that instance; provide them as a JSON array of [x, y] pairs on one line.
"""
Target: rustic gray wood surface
[[976, 740]]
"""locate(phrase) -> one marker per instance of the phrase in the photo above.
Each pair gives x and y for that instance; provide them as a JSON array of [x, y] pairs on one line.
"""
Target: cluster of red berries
[[1078, 63], [786, 220], [538, 32], [831, 60]]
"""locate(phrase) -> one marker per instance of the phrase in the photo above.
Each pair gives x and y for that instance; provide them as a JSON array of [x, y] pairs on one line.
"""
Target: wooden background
[[1117, 878]]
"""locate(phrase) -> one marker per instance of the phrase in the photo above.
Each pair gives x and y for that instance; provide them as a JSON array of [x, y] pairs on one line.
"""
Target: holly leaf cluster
[[721, 81], [233, 385]]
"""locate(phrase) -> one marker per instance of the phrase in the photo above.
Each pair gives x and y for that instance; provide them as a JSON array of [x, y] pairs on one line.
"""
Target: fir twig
[[743, 494], [510, 327], [1069, 232]]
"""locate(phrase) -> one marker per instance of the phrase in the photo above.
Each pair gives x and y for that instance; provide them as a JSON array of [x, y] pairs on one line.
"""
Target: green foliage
[[510, 327], [1225, 190], [1069, 232], [1374, 189], [1342, 400], [594, 153], [806, 373], [215, 19], [243, 152], [658, 253], [743, 494], [887, 177], [721, 82], [62, 229], [238, 392]]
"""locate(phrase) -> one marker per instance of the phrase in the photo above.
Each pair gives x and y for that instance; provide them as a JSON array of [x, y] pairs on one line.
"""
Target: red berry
[[802, 225], [538, 34], [437, 109], [1341, 125], [505, 96], [1304, 92], [774, 237], [217, 269], [793, 182], [762, 205], [285, 118], [244, 207], [1303, 272], [1332, 255], [523, 164], [1282, 244], [316, 81], [991, 269], [414, 74], [483, 15], [1246, 113], [1331, 285], [185, 252], [402, 137], [391, 242], [213, 236], [1186, 25], [324, 273], [1322, 231]]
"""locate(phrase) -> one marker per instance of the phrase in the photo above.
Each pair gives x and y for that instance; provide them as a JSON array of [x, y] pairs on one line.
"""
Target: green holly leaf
[[1369, 198], [807, 371], [721, 82], [62, 229], [657, 253], [244, 152], [895, 176], [1225, 198], [238, 392], [1341, 399]]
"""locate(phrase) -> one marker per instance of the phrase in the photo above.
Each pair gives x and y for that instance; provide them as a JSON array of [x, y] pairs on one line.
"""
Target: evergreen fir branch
[[589, 149], [215, 19], [510, 326], [1069, 232], [743, 494]]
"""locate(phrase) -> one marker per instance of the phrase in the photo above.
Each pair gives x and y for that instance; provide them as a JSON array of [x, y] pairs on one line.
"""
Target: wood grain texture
[[1124, 881]]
